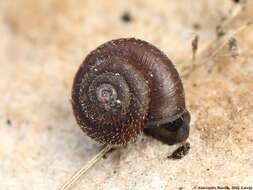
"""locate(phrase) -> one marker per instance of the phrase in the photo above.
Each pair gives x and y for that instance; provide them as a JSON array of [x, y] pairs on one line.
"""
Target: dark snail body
[[127, 85], [172, 132]]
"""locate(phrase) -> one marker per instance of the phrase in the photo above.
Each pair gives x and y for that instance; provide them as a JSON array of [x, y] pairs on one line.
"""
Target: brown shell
[[148, 87]]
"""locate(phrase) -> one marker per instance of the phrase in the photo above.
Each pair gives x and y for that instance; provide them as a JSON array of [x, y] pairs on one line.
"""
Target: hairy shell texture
[[123, 86]]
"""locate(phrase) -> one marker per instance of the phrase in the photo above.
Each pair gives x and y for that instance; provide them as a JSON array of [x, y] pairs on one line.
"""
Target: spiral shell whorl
[[121, 86], [110, 98]]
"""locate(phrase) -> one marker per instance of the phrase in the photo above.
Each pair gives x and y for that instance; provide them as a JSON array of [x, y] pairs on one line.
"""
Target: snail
[[126, 87]]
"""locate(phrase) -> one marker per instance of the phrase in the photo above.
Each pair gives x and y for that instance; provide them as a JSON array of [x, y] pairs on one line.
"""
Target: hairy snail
[[127, 86], [124, 87]]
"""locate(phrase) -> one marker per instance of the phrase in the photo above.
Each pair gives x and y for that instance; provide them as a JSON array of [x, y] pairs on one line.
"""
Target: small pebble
[[8, 122], [126, 17], [236, 1], [180, 152]]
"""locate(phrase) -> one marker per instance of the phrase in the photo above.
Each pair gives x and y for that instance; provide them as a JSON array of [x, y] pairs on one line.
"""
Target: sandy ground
[[42, 44]]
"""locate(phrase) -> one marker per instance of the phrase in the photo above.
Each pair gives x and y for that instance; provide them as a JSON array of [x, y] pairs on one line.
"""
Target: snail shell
[[123, 86]]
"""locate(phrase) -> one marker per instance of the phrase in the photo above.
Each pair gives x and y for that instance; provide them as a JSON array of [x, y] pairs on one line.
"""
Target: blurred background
[[43, 43]]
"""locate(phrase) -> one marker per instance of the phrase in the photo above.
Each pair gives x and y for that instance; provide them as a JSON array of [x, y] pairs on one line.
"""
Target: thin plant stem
[[188, 69], [76, 176]]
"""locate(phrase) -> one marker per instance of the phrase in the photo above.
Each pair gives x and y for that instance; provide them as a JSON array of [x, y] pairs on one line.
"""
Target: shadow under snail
[[124, 87]]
